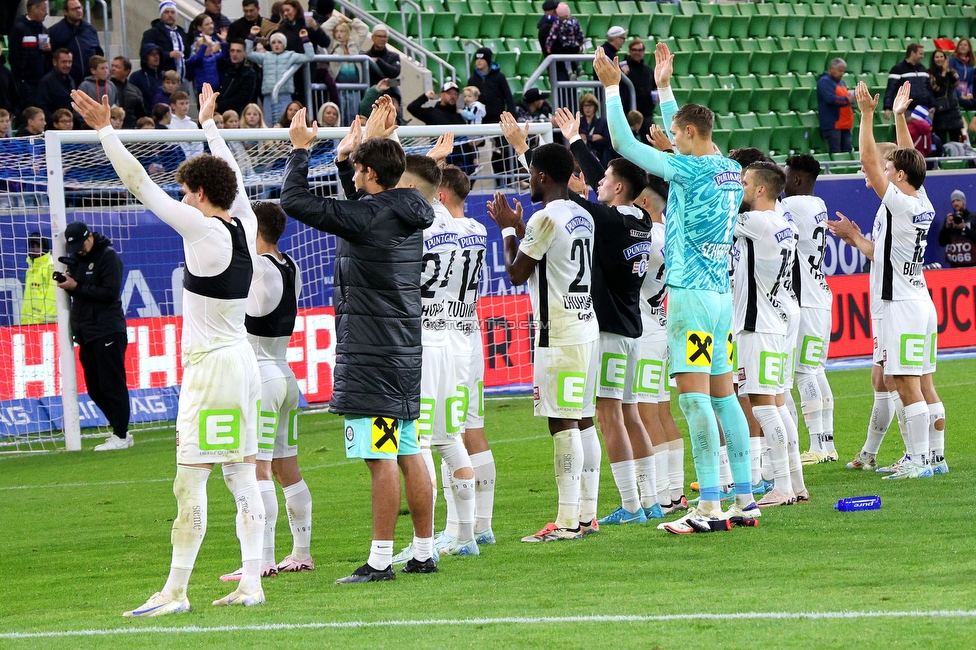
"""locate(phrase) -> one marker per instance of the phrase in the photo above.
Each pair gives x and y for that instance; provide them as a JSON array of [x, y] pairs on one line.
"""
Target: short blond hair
[[118, 113], [474, 90], [171, 75]]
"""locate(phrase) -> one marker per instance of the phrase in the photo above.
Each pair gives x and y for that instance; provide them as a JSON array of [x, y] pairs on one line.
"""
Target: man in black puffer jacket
[[98, 325], [914, 71], [376, 380]]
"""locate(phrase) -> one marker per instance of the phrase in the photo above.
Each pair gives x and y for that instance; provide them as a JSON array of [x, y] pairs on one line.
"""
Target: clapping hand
[[443, 148], [606, 70], [301, 136], [566, 123], [663, 65], [505, 216], [516, 136], [352, 139], [844, 228], [97, 115], [865, 101], [903, 99], [208, 102]]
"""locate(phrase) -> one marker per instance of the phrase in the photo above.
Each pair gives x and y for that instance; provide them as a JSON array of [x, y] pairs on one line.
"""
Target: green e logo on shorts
[[811, 350], [220, 429], [293, 427], [570, 389], [912, 349], [267, 429], [771, 367], [613, 371], [425, 423], [481, 397], [649, 375], [456, 408]]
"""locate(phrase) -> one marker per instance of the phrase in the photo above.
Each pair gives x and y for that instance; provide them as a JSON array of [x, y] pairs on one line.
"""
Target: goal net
[[48, 182]]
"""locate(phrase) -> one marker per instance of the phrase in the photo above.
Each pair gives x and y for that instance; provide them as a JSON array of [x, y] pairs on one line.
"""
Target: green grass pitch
[[86, 536]]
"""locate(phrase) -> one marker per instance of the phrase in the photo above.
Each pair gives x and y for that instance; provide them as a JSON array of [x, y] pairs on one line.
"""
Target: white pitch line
[[542, 620]]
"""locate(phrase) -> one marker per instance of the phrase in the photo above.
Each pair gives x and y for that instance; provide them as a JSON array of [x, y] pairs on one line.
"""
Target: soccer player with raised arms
[[217, 416], [555, 257], [706, 191]]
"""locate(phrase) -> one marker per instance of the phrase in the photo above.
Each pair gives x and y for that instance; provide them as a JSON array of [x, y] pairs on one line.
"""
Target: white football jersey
[[465, 281], [809, 284], [440, 251], [899, 246], [762, 255], [787, 289], [267, 287], [560, 237], [654, 290]]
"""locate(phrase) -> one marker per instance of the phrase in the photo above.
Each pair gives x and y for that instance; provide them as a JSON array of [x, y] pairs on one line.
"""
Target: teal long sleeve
[[645, 156]]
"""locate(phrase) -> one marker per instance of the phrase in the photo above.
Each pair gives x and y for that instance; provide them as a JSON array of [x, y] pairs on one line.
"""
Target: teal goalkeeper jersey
[[703, 203]]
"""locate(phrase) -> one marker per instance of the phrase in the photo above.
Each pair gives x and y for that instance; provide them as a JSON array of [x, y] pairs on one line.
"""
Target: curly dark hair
[[213, 175]]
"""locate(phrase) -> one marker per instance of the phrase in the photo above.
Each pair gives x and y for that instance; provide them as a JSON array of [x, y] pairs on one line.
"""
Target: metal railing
[[564, 91], [404, 16], [105, 23], [360, 59]]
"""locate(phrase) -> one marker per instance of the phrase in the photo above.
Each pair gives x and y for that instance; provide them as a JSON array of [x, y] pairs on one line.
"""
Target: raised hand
[[844, 228], [606, 70], [663, 65], [503, 214], [903, 99], [97, 115], [208, 102], [303, 33], [379, 123], [865, 101], [578, 184], [352, 140], [659, 139], [301, 136], [516, 136], [443, 148], [566, 123]]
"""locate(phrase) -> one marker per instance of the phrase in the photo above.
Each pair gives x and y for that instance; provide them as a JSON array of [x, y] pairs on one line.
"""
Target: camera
[[957, 216], [59, 276]]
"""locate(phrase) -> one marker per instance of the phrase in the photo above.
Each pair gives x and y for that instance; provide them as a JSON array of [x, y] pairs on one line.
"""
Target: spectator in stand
[[958, 233], [149, 77], [616, 37], [443, 108], [293, 21], [162, 115], [947, 122], [912, 70], [593, 129], [274, 64], [96, 85], [117, 117], [547, 21], [533, 107], [241, 27], [921, 130], [386, 62], [232, 119], [834, 108], [171, 83], [238, 79], [145, 123], [286, 117], [473, 110], [30, 50], [253, 117], [375, 92], [9, 94], [348, 37], [490, 81], [642, 76], [76, 35], [130, 97], [54, 90], [180, 120], [212, 8], [32, 122], [170, 38], [62, 120], [4, 123], [565, 37], [329, 115], [962, 62], [206, 52]]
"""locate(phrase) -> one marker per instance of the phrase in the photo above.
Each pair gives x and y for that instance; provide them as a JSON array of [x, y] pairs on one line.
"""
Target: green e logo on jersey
[[293, 427], [455, 408], [571, 389], [220, 429], [425, 423]]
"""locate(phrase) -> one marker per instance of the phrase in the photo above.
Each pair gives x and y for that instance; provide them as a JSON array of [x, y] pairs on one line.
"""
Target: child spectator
[[97, 84], [4, 123], [162, 115], [290, 110], [145, 123], [171, 83], [63, 120], [117, 117], [180, 102], [231, 120], [473, 111], [275, 63]]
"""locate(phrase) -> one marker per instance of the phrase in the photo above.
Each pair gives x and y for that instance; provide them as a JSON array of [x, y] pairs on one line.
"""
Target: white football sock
[[676, 469], [791, 408], [776, 437], [899, 407], [661, 459], [484, 489], [827, 396], [755, 455], [936, 434], [881, 416], [793, 451], [452, 515], [645, 470], [568, 465], [298, 505], [626, 480], [270, 499], [428, 457], [456, 458], [726, 484], [811, 403], [241, 480], [381, 553], [590, 476], [917, 424], [423, 548], [189, 527]]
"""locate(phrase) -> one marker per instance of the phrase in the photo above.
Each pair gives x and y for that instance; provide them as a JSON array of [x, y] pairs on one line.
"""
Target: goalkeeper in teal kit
[[703, 205]]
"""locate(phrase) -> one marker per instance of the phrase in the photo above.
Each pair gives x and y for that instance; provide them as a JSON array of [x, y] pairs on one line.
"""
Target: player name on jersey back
[[901, 228], [654, 290], [465, 281], [440, 252], [560, 238], [762, 257], [809, 283]]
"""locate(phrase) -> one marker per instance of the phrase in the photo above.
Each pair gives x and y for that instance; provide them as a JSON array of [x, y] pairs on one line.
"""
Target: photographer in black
[[94, 282], [958, 234]]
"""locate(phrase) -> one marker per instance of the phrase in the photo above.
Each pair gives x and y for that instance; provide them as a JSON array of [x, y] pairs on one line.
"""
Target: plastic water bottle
[[853, 504]]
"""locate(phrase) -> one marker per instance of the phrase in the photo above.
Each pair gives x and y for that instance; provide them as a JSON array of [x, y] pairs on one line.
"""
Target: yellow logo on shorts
[[698, 349], [386, 435]]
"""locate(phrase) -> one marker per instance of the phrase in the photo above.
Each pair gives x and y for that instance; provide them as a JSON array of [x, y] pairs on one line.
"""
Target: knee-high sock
[[676, 469], [590, 477], [428, 457], [484, 489], [937, 435], [899, 407], [755, 453], [568, 464], [703, 430], [625, 478], [793, 451], [662, 455], [242, 482], [827, 396], [791, 408], [775, 431], [724, 472], [645, 471], [917, 427], [452, 515], [298, 504], [270, 499], [736, 429], [456, 457], [811, 403], [881, 415], [189, 527]]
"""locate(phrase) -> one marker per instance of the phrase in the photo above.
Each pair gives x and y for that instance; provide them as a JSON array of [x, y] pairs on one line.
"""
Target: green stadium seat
[[759, 25], [682, 61], [768, 119], [930, 27], [801, 99], [721, 62], [629, 7], [779, 100], [683, 96], [495, 44], [721, 26], [747, 45], [680, 26], [727, 44], [778, 64], [599, 24], [661, 26], [788, 81], [385, 5], [739, 102], [767, 45], [811, 26], [787, 43], [720, 99], [759, 100], [765, 9], [608, 7], [501, 6], [741, 62], [890, 59], [686, 81], [871, 63], [727, 81], [727, 122], [749, 82], [522, 7], [898, 27], [797, 61], [585, 7], [469, 28], [448, 45], [799, 141], [777, 26], [721, 138], [444, 24], [710, 82], [640, 25], [491, 25], [700, 63], [854, 60], [507, 61], [699, 45], [865, 26], [768, 81], [747, 9], [847, 28], [830, 26], [528, 62], [739, 26], [882, 28], [513, 25]]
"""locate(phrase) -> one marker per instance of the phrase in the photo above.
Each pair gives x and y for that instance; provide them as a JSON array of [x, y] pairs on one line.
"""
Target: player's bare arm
[[903, 100], [870, 161], [518, 265]]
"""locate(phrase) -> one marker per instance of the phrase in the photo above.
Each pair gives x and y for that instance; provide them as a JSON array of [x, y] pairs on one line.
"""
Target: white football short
[[878, 349], [651, 377], [909, 335], [278, 418], [562, 384], [762, 363], [441, 414], [218, 408], [813, 340], [789, 349], [469, 367], [614, 365]]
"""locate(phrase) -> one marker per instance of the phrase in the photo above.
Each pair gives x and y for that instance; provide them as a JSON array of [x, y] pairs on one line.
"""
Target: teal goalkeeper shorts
[[699, 331], [377, 438]]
